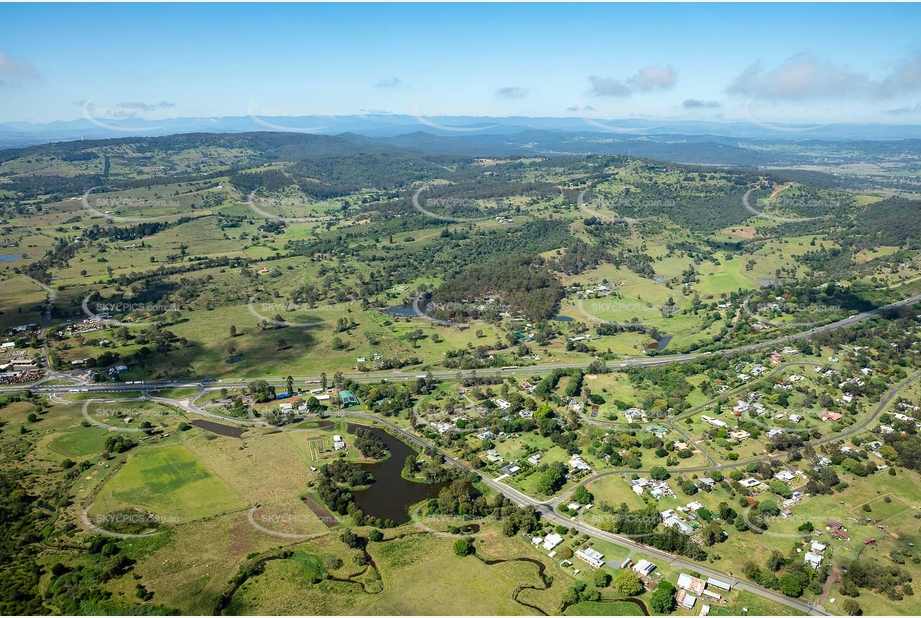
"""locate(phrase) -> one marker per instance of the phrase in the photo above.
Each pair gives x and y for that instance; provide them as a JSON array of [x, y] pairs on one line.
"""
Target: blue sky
[[779, 63]]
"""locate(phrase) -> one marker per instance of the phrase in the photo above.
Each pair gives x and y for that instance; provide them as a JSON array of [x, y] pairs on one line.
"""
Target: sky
[[777, 63]]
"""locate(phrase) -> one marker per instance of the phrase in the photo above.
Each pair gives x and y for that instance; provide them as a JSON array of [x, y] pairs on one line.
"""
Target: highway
[[547, 509]]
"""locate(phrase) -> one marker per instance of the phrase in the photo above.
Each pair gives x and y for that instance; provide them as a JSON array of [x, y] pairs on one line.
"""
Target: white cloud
[[807, 77], [648, 79], [608, 87], [904, 78], [512, 92], [801, 77], [700, 104], [390, 82], [654, 78], [145, 107], [16, 69], [902, 111]]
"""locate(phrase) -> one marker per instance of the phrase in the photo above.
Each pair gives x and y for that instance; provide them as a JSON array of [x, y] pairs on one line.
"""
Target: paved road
[[548, 510], [376, 376], [549, 513]]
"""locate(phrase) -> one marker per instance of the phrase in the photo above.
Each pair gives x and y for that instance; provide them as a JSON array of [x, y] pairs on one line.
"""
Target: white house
[[644, 568], [593, 557], [552, 541], [813, 560]]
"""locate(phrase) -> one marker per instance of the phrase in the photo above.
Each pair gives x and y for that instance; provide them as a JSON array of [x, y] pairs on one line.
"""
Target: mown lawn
[[169, 481]]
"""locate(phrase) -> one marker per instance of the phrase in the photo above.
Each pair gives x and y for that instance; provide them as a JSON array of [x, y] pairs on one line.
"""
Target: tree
[[790, 585], [375, 535], [851, 607], [323, 381], [601, 579], [551, 479], [658, 473], [582, 495], [289, 385], [463, 547], [233, 330], [663, 598], [628, 582]]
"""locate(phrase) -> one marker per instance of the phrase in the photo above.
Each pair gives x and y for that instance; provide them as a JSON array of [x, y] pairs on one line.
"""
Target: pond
[[767, 282], [391, 495], [563, 318], [10, 258], [406, 311], [662, 343], [223, 430]]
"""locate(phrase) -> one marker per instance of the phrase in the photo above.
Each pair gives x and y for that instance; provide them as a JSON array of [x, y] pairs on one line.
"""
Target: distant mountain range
[[14, 134]]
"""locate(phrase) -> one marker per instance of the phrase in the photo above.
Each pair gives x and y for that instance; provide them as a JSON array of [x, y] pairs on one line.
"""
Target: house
[[708, 482], [817, 548], [718, 584], [486, 435], [739, 435], [685, 599], [534, 459], [503, 404], [552, 541], [813, 560], [634, 415], [492, 455], [644, 568], [714, 421], [576, 463], [338, 443], [847, 398], [9, 345], [749, 483], [347, 399], [526, 414], [510, 469], [772, 433], [592, 556], [831, 416], [795, 418], [678, 524], [785, 475], [691, 584]]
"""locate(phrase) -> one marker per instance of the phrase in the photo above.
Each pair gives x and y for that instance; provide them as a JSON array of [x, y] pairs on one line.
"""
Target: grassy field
[[169, 481], [604, 608], [80, 443]]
